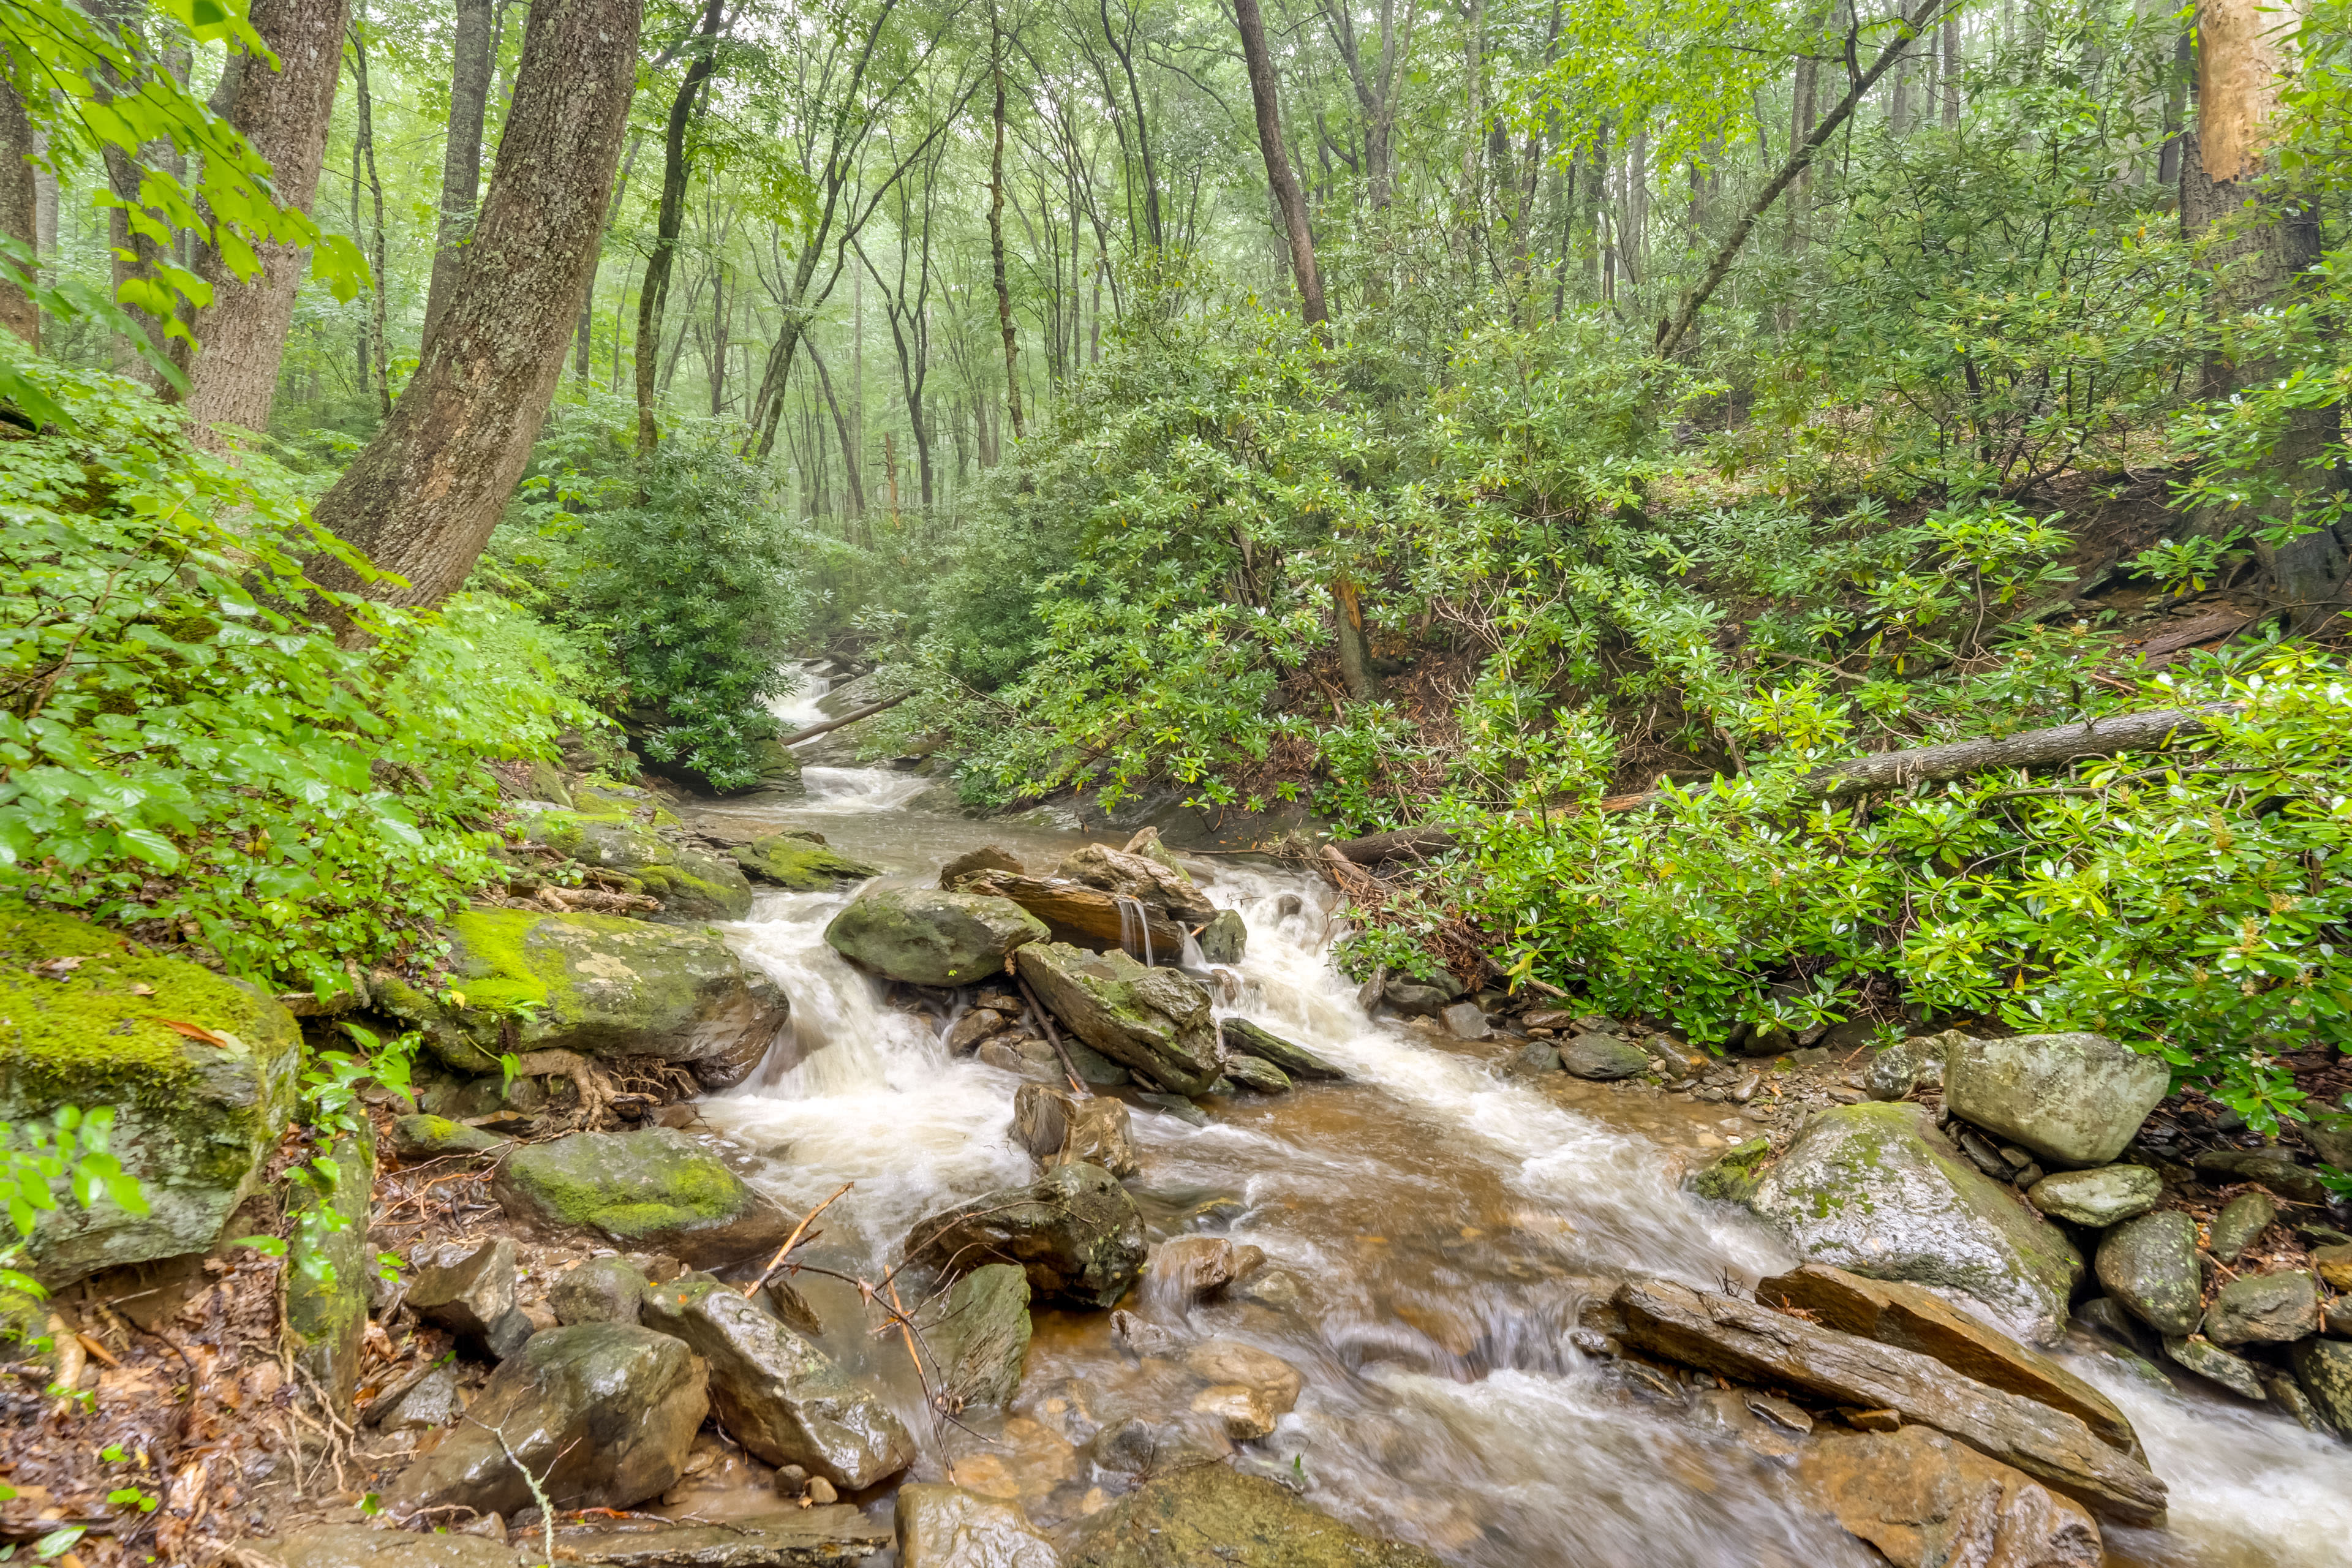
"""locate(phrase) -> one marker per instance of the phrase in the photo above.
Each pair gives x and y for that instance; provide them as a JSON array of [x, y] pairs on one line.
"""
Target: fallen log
[[1083, 916], [852, 717], [1882, 771]]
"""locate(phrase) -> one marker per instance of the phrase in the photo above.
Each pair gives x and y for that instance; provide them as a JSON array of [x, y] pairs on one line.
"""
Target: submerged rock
[[2149, 1266], [1247, 1038], [1875, 1189], [1248, 1390], [1926, 1501], [1154, 1021], [834, 1536], [1752, 1343], [1190, 1268], [1075, 1232], [94, 1024], [2074, 1099], [2097, 1198], [601, 985], [929, 938], [947, 1527], [779, 1395], [981, 1339], [1212, 1516], [601, 1413], [1057, 1127], [799, 862], [653, 1191]]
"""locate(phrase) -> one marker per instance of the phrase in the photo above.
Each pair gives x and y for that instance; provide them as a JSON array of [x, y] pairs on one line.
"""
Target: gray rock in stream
[[1076, 1232], [981, 1339], [929, 938], [1154, 1021], [947, 1527], [2263, 1308], [779, 1395], [1251, 1040]]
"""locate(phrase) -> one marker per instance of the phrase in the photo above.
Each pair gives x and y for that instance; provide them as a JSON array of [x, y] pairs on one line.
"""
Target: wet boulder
[[2099, 1197], [1057, 1127], [2263, 1308], [1224, 937], [947, 1527], [600, 1290], [1732, 1176], [1603, 1058], [800, 862], [1422, 998], [978, 862], [1203, 1514], [468, 1288], [1925, 1500], [2149, 1266], [1256, 1074], [981, 1338], [601, 1413], [201, 1071], [2211, 1362], [433, 1400], [1876, 1189], [779, 1395], [1913, 1318], [1075, 1232], [1154, 1021], [924, 937], [1751, 1343], [1245, 1039], [1161, 887], [598, 985], [2074, 1099], [653, 1191], [690, 883], [417, 1139], [1189, 1269], [2241, 1219], [2324, 1367], [1249, 1390]]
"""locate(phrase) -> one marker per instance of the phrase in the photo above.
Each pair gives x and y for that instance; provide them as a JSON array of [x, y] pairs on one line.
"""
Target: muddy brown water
[[1443, 1217]]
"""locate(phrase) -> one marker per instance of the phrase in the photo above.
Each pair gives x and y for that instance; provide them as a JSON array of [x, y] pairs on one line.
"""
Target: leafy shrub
[[185, 753]]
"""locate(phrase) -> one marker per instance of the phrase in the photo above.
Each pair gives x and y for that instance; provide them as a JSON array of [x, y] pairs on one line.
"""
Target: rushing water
[[1444, 1218]]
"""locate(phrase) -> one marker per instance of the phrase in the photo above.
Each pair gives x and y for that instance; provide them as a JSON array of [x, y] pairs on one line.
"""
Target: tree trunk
[[461, 155], [996, 232], [283, 115], [1287, 198], [422, 498], [19, 218], [2267, 239], [653, 294], [133, 256], [364, 146], [1355, 648]]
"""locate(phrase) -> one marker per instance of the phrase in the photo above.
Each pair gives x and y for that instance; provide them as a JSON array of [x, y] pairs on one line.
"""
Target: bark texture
[[461, 154], [1288, 200], [996, 235], [19, 209], [422, 498], [2265, 238], [283, 115]]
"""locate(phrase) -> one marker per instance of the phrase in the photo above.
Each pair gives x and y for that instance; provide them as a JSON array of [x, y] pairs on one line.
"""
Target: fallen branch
[[1053, 1036], [794, 1240], [852, 717], [1884, 771]]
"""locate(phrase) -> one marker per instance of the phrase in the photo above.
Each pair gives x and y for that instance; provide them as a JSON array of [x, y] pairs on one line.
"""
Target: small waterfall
[[1134, 928]]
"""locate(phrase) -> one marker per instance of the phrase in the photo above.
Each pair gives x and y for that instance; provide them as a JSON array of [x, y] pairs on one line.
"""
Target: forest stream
[[1445, 1219]]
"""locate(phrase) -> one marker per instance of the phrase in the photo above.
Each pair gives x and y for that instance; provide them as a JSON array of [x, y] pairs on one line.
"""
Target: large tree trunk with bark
[[422, 498], [283, 115], [996, 232], [2265, 240], [1288, 200], [2053, 747], [461, 154], [19, 211]]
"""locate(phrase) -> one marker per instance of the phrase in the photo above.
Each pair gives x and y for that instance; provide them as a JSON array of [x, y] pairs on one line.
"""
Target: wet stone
[[790, 1539], [2242, 1219], [2263, 1308], [1603, 1058], [949, 1526], [1256, 1075], [434, 1400], [600, 1290], [2324, 1367], [2149, 1265], [1465, 1021], [2211, 1362], [2097, 1198]]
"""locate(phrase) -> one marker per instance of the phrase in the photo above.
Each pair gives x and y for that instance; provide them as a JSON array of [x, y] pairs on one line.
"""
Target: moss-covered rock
[[690, 884], [603, 985], [1156, 1021], [326, 1283], [1212, 1515], [201, 1070], [415, 1138], [929, 938], [800, 863], [655, 1191], [1876, 1189], [983, 1335], [1731, 1176]]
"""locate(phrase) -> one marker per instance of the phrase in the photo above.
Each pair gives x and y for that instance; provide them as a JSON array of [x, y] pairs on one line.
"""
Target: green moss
[[496, 965], [629, 1186], [802, 865]]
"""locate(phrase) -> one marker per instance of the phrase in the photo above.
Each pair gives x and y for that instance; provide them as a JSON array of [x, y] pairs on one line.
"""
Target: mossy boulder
[[201, 1071], [326, 1284], [691, 884], [1212, 1515], [925, 937], [1876, 1189], [800, 863], [603, 985], [2149, 1266], [1731, 1176], [656, 1191], [1155, 1021]]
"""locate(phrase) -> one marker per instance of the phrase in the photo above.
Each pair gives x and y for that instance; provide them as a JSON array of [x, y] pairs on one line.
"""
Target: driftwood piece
[[1882, 771], [852, 717]]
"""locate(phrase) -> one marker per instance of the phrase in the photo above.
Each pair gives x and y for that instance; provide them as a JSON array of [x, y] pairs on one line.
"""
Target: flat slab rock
[[1926, 1501], [374, 1546], [1755, 1345], [1210, 1516], [834, 1533]]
